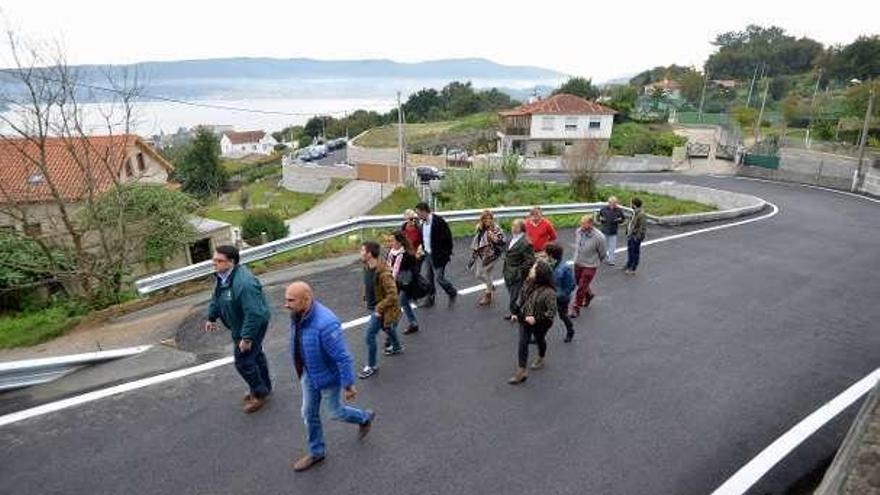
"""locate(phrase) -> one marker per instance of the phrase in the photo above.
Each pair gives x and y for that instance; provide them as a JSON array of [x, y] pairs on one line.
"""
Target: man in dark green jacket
[[635, 234], [238, 302]]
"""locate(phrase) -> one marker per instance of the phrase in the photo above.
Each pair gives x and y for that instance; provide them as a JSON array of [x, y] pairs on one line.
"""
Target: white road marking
[[808, 186], [146, 382], [749, 474]]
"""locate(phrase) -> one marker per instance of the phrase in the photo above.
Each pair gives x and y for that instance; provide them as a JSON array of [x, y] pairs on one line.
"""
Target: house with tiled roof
[[238, 144], [554, 123], [38, 177]]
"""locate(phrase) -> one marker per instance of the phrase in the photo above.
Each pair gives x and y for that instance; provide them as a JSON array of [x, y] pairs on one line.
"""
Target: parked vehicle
[[318, 151], [304, 155], [427, 174]]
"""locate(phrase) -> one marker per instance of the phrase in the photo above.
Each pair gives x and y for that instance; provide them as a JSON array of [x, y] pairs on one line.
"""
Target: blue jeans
[[373, 327], [611, 239], [633, 252], [405, 305], [311, 412]]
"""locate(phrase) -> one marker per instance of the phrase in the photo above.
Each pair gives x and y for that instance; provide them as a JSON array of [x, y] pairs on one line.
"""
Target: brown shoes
[[254, 404], [520, 376], [307, 462], [485, 299]]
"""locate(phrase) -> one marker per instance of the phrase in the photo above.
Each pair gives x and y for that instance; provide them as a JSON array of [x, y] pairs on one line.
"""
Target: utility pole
[[703, 92], [761, 113], [812, 102], [400, 155], [860, 175], [752, 85]]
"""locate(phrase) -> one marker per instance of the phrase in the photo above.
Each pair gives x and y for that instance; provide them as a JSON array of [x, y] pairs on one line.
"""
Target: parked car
[[427, 174], [317, 151], [304, 155]]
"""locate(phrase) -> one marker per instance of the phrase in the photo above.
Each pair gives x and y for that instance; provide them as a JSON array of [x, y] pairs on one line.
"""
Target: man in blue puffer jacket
[[324, 368], [565, 285]]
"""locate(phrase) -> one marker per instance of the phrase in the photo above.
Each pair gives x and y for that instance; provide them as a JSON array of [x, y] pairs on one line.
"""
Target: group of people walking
[[540, 284]]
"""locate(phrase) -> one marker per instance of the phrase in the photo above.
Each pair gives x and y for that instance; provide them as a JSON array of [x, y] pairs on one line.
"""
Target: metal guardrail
[[20, 374], [192, 272]]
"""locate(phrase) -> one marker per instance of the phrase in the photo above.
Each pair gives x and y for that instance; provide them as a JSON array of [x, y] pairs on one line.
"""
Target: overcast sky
[[602, 40]]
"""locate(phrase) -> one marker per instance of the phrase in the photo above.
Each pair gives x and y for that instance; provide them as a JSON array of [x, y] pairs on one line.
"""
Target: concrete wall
[[729, 204], [358, 154], [872, 182], [314, 179]]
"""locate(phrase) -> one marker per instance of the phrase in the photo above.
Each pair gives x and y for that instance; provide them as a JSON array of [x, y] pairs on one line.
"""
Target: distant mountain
[[275, 68]]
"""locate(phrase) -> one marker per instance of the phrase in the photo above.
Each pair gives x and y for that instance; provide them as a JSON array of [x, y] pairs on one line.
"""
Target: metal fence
[[357, 224]]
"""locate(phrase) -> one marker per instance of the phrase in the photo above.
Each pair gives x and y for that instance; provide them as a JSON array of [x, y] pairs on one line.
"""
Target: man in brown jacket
[[380, 295]]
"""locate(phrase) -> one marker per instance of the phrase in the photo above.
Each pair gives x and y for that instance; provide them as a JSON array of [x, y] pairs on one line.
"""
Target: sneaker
[[367, 372], [412, 328], [391, 351], [364, 429], [427, 302], [610, 263]]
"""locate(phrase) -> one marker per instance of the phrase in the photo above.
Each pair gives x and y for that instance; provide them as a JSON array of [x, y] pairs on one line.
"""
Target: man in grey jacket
[[589, 252]]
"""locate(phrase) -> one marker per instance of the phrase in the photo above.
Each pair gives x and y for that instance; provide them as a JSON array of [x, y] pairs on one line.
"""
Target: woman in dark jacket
[[405, 268], [537, 307]]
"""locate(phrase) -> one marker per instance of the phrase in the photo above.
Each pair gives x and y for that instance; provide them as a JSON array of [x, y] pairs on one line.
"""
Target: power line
[[204, 105]]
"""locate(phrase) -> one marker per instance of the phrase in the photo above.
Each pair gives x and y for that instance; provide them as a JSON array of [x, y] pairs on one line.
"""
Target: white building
[[549, 126], [238, 144]]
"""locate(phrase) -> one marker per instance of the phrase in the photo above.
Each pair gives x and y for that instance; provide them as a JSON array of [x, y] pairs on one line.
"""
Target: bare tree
[[46, 122], [584, 161]]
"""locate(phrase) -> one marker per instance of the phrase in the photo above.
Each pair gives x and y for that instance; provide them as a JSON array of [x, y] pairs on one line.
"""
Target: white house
[[553, 124], [238, 144]]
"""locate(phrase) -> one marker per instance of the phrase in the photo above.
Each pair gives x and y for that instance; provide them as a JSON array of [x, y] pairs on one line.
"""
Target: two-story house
[[549, 126], [239, 144]]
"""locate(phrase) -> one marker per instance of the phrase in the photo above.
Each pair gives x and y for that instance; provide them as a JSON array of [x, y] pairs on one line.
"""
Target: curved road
[[677, 378]]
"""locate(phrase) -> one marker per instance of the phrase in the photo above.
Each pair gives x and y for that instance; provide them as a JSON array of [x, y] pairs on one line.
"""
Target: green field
[[450, 132], [266, 195]]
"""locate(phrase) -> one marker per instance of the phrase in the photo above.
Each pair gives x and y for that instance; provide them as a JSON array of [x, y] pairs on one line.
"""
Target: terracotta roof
[[561, 104], [245, 136], [69, 162]]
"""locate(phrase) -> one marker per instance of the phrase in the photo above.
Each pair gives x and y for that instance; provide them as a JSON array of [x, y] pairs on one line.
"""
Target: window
[[142, 167], [595, 124], [33, 230], [128, 170], [547, 123], [569, 143], [571, 123]]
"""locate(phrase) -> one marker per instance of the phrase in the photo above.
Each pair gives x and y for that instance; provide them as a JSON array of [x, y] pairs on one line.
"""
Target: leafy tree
[[421, 105], [579, 86], [691, 85], [739, 52], [856, 100], [623, 99], [860, 59], [153, 221], [745, 116], [199, 171], [259, 221], [315, 126], [673, 72]]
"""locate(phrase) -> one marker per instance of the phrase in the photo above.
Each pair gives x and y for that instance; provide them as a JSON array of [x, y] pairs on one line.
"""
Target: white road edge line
[[755, 469], [173, 375], [799, 184]]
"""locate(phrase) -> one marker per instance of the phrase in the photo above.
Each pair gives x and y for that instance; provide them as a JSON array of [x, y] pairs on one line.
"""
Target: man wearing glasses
[[238, 302]]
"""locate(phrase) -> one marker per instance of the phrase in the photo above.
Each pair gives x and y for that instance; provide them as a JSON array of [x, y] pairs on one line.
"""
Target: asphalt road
[[677, 377]]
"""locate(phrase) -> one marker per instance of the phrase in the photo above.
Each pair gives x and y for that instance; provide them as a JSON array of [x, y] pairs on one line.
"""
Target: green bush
[[259, 221], [664, 142], [631, 139]]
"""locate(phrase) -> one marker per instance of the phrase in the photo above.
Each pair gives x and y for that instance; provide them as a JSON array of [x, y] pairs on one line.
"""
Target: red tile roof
[[561, 104], [245, 137], [69, 163]]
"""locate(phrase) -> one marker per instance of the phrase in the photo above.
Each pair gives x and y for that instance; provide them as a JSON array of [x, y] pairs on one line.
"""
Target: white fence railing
[[192, 272]]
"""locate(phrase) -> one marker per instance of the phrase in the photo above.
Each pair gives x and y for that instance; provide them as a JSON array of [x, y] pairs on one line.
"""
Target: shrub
[[664, 143], [511, 167], [257, 222]]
